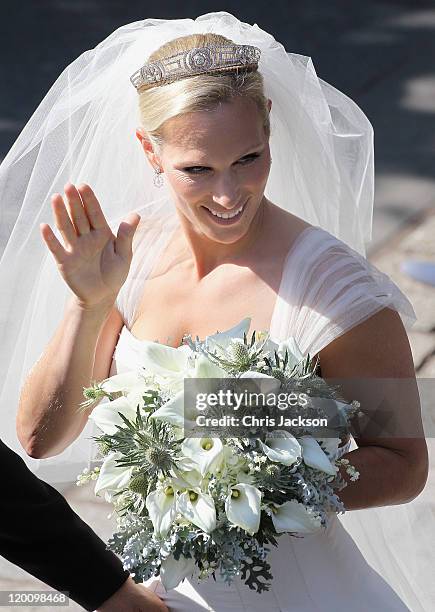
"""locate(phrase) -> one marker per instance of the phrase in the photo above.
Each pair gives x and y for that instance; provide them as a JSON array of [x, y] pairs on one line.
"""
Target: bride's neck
[[206, 254]]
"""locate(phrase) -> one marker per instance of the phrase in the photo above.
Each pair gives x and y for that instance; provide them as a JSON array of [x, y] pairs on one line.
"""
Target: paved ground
[[415, 242]]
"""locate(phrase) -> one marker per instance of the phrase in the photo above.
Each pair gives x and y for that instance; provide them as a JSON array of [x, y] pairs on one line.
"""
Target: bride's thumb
[[125, 234]]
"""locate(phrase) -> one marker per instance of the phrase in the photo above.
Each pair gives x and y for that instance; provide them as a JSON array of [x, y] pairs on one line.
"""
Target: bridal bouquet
[[189, 502]]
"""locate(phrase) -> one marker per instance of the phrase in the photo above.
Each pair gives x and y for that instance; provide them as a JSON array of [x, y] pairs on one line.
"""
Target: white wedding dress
[[367, 560], [326, 288]]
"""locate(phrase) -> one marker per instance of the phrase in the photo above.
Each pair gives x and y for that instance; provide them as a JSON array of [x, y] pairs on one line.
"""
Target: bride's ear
[[141, 135], [269, 104]]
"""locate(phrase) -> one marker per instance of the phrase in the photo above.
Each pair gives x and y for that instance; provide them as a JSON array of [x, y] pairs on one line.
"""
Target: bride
[[232, 235]]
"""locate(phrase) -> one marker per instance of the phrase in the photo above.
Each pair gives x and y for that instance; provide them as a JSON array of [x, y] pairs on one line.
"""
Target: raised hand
[[94, 263]]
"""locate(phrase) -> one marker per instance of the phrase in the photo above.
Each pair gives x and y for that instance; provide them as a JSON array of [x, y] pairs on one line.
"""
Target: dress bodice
[[326, 288]]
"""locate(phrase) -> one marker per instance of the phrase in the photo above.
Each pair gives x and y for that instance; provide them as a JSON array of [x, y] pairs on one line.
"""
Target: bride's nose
[[226, 191]]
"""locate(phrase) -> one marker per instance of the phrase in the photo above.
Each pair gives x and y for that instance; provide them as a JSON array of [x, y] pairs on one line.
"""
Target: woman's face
[[217, 161]]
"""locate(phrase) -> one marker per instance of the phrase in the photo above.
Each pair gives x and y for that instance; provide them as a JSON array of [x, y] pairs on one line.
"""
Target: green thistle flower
[[104, 447], [139, 484], [159, 458], [240, 354], [274, 477], [93, 394], [279, 374]]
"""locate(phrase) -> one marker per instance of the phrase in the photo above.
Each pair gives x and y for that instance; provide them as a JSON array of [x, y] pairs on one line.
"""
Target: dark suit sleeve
[[41, 533]]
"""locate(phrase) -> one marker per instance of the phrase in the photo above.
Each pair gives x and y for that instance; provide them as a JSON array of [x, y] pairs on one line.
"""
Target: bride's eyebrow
[[258, 148]]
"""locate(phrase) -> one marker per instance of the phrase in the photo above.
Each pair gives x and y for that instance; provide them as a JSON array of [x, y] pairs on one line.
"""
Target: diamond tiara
[[199, 60]]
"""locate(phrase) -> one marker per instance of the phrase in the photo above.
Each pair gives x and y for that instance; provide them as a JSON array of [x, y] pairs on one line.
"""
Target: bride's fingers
[[52, 243], [76, 210], [125, 234], [62, 220], [92, 206]]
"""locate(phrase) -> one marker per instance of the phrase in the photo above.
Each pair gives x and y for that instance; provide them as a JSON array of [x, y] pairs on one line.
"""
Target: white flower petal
[[204, 368], [201, 511], [111, 476], [124, 381], [261, 382], [222, 340], [162, 510], [295, 355], [106, 416], [136, 393], [162, 359], [186, 478], [172, 572], [293, 516], [171, 412], [176, 413], [284, 449], [244, 510], [315, 457], [207, 452]]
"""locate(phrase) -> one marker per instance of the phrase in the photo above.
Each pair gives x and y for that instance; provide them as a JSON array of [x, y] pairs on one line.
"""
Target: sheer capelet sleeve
[[327, 288]]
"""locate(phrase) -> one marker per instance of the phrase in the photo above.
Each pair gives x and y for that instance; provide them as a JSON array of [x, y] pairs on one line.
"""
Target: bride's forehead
[[203, 129]]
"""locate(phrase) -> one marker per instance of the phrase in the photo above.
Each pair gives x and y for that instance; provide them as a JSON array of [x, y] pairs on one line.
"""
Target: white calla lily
[[294, 517], [198, 508], [172, 572], [125, 382], [260, 383], [111, 476], [243, 507], [136, 394], [162, 507], [207, 452], [106, 416], [222, 340], [176, 412], [204, 368], [314, 456], [282, 449], [186, 475], [164, 360]]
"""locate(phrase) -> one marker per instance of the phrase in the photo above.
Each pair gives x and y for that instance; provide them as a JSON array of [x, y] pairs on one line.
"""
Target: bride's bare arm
[[94, 263], [374, 362], [81, 350]]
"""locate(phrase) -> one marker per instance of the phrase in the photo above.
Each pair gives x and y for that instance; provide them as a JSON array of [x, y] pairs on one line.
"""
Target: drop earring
[[158, 178]]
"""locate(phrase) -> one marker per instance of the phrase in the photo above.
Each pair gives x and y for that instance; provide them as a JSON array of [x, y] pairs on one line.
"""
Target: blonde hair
[[196, 93]]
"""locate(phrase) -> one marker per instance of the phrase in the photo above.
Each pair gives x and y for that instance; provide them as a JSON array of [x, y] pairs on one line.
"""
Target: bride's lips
[[221, 221]]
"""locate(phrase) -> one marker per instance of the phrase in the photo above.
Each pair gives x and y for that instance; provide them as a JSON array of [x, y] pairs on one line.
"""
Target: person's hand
[[94, 263], [132, 597]]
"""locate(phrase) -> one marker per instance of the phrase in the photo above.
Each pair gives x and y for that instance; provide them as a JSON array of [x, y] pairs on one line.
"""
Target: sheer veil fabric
[[322, 147]]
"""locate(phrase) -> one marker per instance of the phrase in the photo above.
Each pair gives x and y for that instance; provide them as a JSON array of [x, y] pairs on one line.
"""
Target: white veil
[[84, 131]]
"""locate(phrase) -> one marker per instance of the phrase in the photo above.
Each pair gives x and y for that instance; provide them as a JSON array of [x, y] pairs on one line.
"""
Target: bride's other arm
[[374, 363], [81, 350]]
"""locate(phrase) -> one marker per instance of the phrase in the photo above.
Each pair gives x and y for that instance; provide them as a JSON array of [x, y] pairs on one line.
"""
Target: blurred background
[[379, 53]]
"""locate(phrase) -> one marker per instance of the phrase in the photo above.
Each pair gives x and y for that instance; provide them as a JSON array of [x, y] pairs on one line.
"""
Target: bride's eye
[[195, 169], [201, 169], [249, 158]]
